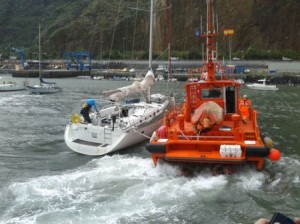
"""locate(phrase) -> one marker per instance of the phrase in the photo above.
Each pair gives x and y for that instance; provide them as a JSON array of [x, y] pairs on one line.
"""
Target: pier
[[57, 73]]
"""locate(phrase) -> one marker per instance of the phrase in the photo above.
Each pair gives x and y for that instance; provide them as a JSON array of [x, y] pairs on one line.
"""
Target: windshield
[[211, 93]]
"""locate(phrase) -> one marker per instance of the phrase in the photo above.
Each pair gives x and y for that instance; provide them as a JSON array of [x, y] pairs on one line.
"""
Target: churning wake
[[123, 189]]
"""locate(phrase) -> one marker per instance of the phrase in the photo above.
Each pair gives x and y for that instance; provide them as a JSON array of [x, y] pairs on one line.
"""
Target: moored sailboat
[[43, 87], [214, 125]]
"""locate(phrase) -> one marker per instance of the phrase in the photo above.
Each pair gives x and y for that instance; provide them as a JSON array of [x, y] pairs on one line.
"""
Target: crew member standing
[[245, 106], [86, 109]]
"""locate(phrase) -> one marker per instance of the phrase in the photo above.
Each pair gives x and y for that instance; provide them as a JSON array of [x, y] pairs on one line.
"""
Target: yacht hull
[[43, 90], [262, 87], [100, 138]]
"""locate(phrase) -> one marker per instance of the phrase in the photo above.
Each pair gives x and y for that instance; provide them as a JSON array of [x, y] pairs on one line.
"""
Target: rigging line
[[183, 135], [137, 3], [168, 42], [137, 9], [147, 10], [141, 134], [161, 54], [94, 31], [113, 38]]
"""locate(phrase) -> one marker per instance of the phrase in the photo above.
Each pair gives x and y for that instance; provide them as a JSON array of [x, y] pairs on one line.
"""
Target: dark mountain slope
[[101, 25]]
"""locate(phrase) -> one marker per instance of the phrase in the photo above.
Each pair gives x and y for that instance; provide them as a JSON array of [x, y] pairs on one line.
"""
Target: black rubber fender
[[156, 148], [257, 151]]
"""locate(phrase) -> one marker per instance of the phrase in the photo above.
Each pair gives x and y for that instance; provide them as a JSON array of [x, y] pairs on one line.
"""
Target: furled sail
[[135, 87]]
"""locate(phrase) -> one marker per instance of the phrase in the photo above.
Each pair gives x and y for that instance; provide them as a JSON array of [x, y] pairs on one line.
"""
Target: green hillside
[[263, 28]]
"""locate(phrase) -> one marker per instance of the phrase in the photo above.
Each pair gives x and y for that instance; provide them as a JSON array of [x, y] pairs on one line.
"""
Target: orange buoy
[[274, 154]]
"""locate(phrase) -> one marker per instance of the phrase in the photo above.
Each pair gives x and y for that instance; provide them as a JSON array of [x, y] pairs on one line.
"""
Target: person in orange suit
[[244, 106]]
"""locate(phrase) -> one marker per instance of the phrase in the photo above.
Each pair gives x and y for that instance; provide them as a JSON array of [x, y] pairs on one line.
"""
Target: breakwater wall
[[49, 73], [282, 78], [287, 78]]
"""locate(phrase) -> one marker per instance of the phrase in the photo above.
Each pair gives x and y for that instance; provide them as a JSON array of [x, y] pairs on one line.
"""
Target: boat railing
[[106, 109], [200, 73], [202, 137], [254, 117]]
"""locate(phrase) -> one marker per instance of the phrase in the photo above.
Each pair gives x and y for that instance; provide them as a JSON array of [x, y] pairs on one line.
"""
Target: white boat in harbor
[[193, 80], [98, 77], [159, 78], [261, 85], [10, 86], [240, 81], [120, 124], [43, 87], [162, 68], [172, 80]]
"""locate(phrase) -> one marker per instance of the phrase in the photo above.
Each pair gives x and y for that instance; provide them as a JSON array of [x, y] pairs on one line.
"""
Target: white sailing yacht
[[120, 124], [43, 87]]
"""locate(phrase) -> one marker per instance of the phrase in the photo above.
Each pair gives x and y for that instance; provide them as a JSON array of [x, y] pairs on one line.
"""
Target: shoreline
[[281, 78]]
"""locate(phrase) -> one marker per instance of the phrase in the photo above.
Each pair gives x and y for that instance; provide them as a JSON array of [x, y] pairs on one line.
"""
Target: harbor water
[[43, 181]]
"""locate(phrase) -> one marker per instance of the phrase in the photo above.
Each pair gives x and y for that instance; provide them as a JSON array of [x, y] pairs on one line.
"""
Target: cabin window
[[230, 99], [211, 93]]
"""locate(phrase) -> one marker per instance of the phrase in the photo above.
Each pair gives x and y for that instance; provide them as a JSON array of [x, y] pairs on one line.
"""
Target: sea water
[[43, 181]]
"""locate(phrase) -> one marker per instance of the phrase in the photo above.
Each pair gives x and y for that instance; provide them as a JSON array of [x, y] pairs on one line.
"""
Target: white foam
[[114, 187], [296, 180], [251, 179], [275, 183], [121, 188]]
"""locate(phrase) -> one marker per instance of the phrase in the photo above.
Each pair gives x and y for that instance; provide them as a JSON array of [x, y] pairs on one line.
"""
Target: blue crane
[[21, 55], [76, 60]]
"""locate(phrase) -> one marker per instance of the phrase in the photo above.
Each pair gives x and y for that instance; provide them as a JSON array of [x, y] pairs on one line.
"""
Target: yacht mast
[[150, 39], [39, 50], [168, 38]]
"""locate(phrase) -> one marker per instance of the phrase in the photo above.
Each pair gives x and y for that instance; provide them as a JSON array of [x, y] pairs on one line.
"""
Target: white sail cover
[[135, 87], [210, 110]]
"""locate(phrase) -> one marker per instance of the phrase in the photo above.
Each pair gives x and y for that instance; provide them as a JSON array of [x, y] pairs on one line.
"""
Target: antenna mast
[[209, 43], [39, 49]]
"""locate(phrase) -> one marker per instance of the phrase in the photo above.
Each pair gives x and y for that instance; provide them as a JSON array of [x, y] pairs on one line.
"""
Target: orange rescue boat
[[214, 125]]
